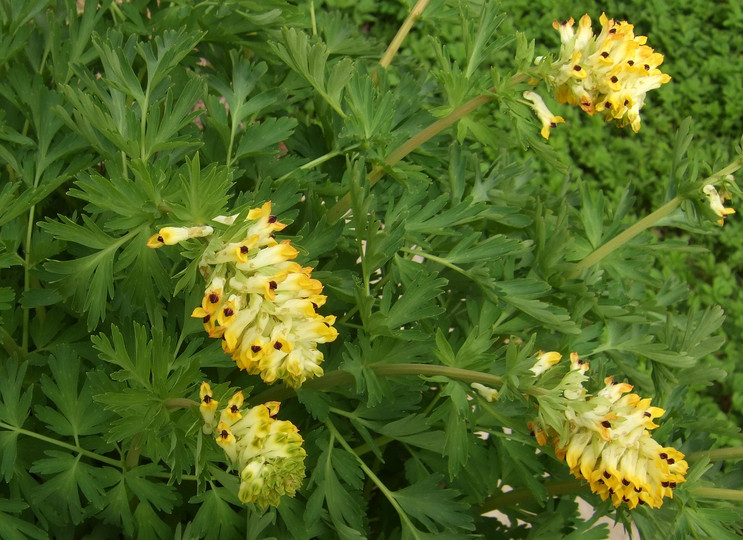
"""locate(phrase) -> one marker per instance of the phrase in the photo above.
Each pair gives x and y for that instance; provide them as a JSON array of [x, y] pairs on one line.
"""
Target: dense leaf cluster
[[453, 265]]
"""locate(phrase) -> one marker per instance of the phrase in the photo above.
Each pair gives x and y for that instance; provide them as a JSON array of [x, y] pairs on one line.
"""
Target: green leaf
[[344, 507], [75, 413], [416, 303], [88, 279], [15, 401], [434, 507], [215, 518], [310, 61], [67, 477], [13, 528], [267, 134], [205, 192]]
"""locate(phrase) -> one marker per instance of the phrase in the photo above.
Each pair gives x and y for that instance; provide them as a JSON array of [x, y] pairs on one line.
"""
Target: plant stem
[[341, 207], [719, 493], [340, 378], [402, 33], [718, 454], [313, 20], [518, 496], [648, 221], [373, 477], [180, 403], [92, 455], [318, 161], [627, 235]]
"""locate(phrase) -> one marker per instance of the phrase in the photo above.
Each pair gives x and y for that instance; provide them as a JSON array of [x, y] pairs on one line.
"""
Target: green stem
[[343, 205], [313, 20], [62, 444], [318, 161], [341, 378], [436, 259], [627, 235], [718, 454], [649, 220], [518, 496], [135, 449], [180, 403], [719, 493], [402, 33], [143, 124], [373, 477]]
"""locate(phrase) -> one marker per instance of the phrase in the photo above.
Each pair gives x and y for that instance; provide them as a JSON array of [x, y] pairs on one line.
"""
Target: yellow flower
[[609, 445], [487, 393], [716, 202], [267, 452], [608, 73], [207, 407], [167, 236], [262, 304], [548, 119], [545, 360]]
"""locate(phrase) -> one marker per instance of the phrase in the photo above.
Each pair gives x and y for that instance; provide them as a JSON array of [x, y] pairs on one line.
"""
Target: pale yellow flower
[[545, 116], [609, 73], [717, 202], [609, 445]]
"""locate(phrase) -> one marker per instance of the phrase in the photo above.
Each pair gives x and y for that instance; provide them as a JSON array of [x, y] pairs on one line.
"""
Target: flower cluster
[[267, 452], [609, 73], [609, 444], [257, 300]]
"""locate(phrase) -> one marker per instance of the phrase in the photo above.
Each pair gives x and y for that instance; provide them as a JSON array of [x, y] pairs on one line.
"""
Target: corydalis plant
[[267, 452], [609, 73], [257, 300], [608, 440]]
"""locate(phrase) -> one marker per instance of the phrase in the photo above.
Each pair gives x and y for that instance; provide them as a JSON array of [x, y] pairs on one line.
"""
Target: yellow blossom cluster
[[609, 442], [267, 452], [260, 303], [609, 73]]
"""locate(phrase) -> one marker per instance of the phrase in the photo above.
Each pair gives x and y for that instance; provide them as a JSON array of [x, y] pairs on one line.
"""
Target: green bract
[[381, 162]]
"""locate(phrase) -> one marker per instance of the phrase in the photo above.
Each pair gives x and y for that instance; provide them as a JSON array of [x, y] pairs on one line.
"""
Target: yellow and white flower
[[545, 116], [609, 444], [267, 453], [717, 202], [261, 303], [609, 73]]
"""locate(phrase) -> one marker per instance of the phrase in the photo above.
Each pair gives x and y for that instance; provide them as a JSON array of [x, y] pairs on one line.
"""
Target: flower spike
[[609, 73], [609, 444], [267, 452], [258, 301]]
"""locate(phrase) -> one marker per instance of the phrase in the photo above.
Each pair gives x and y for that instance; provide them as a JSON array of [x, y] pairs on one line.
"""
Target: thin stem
[[402, 33], [436, 259], [627, 235], [648, 221], [27, 275], [318, 161], [342, 206], [180, 403], [313, 20], [143, 124], [62, 444], [341, 378], [135, 449], [719, 493], [373, 477], [718, 454], [518, 496]]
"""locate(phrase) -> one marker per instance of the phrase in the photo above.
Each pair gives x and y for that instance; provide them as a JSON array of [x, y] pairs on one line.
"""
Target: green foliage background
[[462, 256]]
